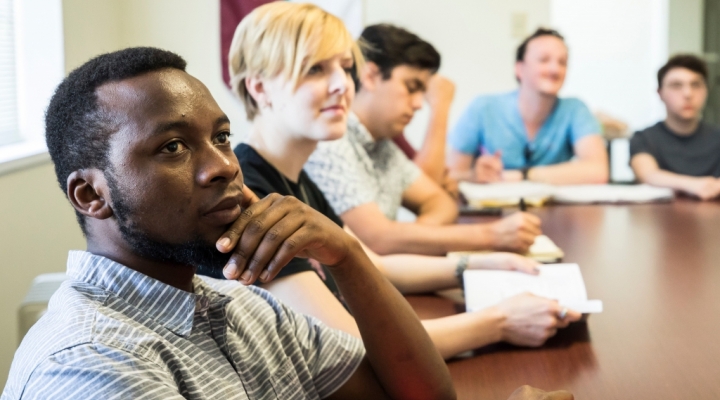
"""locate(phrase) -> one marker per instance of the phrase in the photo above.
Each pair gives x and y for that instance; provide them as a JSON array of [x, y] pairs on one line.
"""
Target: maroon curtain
[[231, 13], [405, 146]]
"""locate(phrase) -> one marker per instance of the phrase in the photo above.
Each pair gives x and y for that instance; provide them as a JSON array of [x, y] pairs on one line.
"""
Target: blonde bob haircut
[[284, 38]]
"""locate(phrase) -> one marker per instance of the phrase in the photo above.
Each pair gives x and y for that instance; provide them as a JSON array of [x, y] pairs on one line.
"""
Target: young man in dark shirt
[[682, 152]]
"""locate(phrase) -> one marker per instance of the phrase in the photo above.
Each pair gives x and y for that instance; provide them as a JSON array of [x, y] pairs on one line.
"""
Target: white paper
[[583, 194], [505, 191], [510, 193], [561, 282]]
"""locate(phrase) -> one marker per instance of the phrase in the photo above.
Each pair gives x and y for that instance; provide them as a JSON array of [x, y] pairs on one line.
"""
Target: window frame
[[40, 67]]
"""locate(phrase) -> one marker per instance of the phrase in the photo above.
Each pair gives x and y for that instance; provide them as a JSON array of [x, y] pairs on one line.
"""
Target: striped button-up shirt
[[114, 333]]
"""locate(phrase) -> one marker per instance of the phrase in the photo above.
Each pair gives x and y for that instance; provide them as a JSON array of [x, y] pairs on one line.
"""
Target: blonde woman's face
[[317, 108]]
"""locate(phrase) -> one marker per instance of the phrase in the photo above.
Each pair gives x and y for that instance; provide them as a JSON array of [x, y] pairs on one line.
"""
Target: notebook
[[562, 282], [543, 250]]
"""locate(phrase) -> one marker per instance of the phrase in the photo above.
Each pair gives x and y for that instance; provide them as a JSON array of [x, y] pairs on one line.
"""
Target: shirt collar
[[169, 306]]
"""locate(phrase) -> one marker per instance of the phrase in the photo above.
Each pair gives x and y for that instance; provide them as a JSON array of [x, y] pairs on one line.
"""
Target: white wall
[[616, 48], [474, 38]]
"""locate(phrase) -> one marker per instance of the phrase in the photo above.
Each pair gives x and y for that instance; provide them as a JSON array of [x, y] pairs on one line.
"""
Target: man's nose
[[417, 100], [217, 166]]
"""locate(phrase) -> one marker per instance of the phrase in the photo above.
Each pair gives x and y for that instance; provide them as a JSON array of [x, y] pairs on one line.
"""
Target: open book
[[536, 194], [561, 282], [544, 250]]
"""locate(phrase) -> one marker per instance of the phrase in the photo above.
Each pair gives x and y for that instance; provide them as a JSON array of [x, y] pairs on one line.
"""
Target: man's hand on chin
[[273, 230]]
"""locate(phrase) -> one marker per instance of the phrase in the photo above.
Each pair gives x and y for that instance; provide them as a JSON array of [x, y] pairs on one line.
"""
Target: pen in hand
[[523, 207]]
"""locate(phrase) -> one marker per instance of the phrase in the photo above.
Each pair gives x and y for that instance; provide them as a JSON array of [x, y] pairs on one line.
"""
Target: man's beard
[[195, 252]]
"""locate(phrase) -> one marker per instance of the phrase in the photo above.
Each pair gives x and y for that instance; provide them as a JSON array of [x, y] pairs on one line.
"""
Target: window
[[8, 79]]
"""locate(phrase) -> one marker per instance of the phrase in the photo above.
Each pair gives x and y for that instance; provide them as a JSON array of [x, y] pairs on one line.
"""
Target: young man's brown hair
[[687, 61]]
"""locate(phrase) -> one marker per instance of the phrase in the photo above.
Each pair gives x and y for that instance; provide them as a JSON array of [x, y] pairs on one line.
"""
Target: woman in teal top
[[530, 133]]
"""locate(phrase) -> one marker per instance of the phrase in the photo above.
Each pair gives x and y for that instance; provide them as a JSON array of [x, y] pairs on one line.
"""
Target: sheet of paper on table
[[562, 282], [543, 250], [505, 194], [536, 194], [586, 194]]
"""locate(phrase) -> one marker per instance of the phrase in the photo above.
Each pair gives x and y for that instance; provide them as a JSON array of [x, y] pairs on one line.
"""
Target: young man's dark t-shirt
[[697, 154], [262, 178]]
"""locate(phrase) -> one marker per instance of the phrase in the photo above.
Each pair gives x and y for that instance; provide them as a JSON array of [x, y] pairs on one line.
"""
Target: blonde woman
[[291, 67]]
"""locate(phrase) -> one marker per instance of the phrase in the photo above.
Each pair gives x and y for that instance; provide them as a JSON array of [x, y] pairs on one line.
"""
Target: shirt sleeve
[[468, 134], [583, 122], [331, 355], [84, 372], [340, 174], [639, 144]]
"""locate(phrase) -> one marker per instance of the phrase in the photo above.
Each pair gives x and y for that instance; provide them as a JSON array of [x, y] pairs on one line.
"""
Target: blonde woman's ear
[[256, 87]]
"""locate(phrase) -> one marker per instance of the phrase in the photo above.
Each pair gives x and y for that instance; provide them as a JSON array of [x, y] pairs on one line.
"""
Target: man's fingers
[[229, 239], [251, 227], [270, 244], [288, 249]]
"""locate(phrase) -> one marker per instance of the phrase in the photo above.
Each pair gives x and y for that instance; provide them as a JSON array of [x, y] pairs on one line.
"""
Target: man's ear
[[370, 75], [89, 193], [518, 69], [256, 87]]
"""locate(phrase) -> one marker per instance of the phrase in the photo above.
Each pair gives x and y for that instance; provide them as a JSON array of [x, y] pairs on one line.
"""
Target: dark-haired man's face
[[175, 183], [684, 93], [396, 99]]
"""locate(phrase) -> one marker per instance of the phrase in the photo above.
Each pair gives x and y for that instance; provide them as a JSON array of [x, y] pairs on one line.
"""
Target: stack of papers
[[536, 194], [543, 250], [586, 194], [561, 282], [505, 194]]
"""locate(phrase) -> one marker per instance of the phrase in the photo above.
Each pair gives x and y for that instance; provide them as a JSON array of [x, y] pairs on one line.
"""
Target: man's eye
[[173, 147], [223, 138]]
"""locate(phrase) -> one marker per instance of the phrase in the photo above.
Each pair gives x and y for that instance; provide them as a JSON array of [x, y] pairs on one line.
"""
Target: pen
[[523, 207]]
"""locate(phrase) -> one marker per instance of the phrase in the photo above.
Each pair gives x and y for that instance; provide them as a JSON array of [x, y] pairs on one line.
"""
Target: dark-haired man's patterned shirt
[[357, 169], [114, 333]]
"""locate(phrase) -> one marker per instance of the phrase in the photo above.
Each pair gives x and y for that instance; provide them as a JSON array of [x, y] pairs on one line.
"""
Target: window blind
[[8, 78]]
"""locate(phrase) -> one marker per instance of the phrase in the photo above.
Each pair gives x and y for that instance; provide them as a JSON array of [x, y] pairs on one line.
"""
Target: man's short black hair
[[389, 46], [520, 54], [687, 61], [76, 129]]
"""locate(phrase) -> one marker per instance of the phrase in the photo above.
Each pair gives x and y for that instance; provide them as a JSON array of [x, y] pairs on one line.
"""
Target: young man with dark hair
[[531, 133], [392, 47], [366, 177], [682, 152], [142, 151]]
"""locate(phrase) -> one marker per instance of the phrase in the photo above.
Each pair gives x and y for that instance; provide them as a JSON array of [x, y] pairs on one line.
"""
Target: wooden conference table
[[656, 268]]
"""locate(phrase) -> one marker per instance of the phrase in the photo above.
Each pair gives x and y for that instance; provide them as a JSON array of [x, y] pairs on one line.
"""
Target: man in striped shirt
[[142, 152]]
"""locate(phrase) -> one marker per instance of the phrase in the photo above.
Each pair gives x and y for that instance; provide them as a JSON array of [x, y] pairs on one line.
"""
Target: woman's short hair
[[284, 38]]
